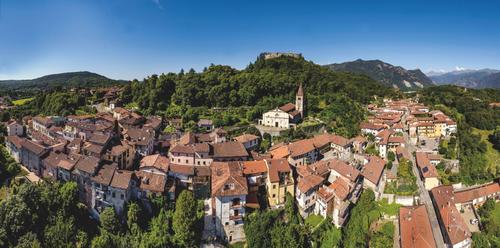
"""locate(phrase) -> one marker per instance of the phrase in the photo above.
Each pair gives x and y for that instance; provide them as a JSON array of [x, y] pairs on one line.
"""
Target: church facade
[[287, 115]]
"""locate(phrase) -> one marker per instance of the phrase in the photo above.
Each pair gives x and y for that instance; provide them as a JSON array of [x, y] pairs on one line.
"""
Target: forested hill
[[387, 74], [68, 79], [266, 82]]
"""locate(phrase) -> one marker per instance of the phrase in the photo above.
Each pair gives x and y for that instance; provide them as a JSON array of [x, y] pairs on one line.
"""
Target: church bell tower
[[299, 101]]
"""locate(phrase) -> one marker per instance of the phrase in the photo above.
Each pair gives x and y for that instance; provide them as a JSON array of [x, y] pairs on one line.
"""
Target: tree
[[291, 209], [257, 226], [109, 220], [159, 235], [29, 240], [362, 215], [60, 233], [391, 156], [289, 236], [185, 220]]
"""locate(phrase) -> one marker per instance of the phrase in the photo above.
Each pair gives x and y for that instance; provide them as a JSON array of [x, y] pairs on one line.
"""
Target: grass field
[[22, 101], [492, 155], [313, 220], [389, 209]]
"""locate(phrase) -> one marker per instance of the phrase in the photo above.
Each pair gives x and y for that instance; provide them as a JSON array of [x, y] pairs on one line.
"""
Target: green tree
[[109, 220], [29, 240], [185, 220], [60, 233]]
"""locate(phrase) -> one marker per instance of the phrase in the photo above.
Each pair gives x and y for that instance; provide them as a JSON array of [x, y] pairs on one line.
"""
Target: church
[[287, 115]]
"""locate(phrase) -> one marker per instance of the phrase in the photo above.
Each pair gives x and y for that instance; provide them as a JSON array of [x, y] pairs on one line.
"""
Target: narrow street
[[425, 197]]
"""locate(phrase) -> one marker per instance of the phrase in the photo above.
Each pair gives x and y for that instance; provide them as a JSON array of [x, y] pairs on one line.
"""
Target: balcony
[[235, 217], [236, 206]]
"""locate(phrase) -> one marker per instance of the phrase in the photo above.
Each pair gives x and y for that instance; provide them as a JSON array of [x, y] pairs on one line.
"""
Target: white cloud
[[158, 3], [459, 68]]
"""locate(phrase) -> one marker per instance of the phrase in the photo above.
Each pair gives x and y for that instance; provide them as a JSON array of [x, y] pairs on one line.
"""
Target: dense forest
[[49, 214], [471, 110]]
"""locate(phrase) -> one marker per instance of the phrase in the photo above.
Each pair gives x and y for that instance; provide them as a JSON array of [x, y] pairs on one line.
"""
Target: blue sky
[[126, 39]]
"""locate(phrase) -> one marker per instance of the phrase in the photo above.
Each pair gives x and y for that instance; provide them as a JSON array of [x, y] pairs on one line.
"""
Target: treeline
[[470, 107], [49, 214], [265, 84]]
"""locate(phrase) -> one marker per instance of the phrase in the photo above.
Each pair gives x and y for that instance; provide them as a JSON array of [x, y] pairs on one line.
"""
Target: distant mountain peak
[[385, 73], [470, 78]]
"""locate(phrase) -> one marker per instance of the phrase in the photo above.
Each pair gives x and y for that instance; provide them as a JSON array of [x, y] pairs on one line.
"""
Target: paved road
[[425, 198]]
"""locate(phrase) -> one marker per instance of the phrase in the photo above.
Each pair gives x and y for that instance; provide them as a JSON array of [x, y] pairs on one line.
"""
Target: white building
[[14, 129], [284, 116], [229, 191]]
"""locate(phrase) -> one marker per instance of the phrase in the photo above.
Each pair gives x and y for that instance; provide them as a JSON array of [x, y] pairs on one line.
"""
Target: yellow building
[[279, 181], [426, 129]]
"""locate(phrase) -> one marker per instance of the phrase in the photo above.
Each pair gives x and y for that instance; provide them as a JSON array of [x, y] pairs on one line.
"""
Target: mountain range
[[385, 73], [483, 78], [67, 79]]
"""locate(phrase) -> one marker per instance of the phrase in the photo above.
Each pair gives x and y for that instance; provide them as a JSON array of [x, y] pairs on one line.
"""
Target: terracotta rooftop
[[151, 181], [121, 179], [254, 167], [228, 179], [275, 167], [425, 166], [15, 140], [287, 107], [246, 138], [182, 169], [340, 188], [339, 140], [33, 147], [309, 182], [301, 147], [229, 149], [105, 174], [415, 228], [179, 148], [87, 164], [471, 194], [280, 152], [45, 121], [453, 224], [372, 171], [156, 161], [344, 169], [99, 139]]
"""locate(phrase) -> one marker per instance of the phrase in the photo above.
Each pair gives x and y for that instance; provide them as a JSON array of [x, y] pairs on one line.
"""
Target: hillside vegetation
[[263, 85]]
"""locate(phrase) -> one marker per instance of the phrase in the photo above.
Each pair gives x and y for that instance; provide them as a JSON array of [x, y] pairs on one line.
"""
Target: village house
[[84, 169], [279, 181], [302, 152], [332, 201], [121, 189], [14, 128], [100, 188], [478, 195], [42, 124], [305, 193], [153, 184], [229, 151], [122, 154], [249, 141], [428, 172], [229, 191], [370, 128], [455, 232], [372, 173], [156, 163], [13, 144], [142, 140], [31, 155], [205, 124], [287, 115], [341, 147], [415, 228]]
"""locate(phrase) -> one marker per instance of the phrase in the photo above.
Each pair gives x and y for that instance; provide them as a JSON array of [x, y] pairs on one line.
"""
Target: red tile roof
[[228, 179], [469, 195], [254, 167], [229, 150], [344, 169], [309, 182], [425, 166], [372, 171], [415, 228], [453, 224], [275, 166], [156, 161], [246, 138]]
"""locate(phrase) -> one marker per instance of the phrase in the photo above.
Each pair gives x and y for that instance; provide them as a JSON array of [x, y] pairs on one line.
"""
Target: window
[[198, 162], [274, 186], [227, 223], [274, 195], [187, 161], [122, 196], [179, 160], [113, 194]]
